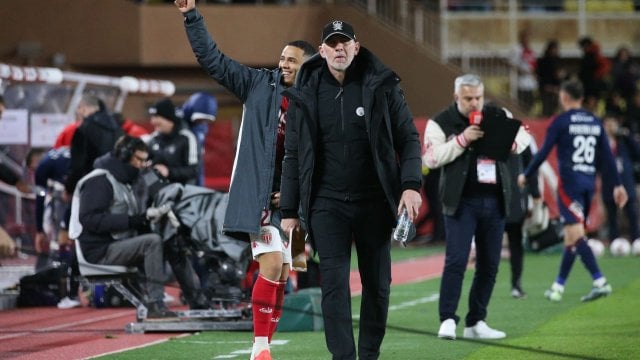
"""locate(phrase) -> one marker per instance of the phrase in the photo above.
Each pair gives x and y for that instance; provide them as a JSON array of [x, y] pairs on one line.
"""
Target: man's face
[[83, 111], [139, 159], [162, 125], [611, 125], [339, 52], [290, 60], [470, 98]]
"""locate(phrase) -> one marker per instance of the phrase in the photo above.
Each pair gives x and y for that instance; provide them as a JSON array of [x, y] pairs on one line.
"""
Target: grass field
[[608, 328]]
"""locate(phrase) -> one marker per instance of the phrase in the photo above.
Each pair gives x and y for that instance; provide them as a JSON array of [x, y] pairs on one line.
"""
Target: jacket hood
[[103, 120], [123, 172]]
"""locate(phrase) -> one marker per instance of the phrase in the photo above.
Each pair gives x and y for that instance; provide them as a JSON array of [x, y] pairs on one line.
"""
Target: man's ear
[[357, 48], [321, 51]]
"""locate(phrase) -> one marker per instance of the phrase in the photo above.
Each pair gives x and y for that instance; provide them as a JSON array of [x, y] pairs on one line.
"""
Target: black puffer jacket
[[95, 137], [393, 137]]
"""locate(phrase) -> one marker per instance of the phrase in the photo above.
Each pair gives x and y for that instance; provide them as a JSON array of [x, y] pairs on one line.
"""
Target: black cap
[[338, 27], [166, 109]]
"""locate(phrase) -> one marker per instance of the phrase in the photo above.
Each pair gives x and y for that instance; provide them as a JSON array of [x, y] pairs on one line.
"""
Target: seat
[[122, 278], [88, 269]]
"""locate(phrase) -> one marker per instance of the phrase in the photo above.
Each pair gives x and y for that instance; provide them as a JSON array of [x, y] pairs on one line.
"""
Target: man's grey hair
[[471, 80], [90, 101]]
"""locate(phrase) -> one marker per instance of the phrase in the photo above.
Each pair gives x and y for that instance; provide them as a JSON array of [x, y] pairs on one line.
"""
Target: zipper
[[344, 142]]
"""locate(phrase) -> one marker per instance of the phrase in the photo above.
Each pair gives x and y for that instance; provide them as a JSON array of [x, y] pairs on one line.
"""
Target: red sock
[[263, 300], [277, 311]]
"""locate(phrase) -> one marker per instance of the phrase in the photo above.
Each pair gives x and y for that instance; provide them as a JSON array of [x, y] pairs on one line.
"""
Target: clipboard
[[499, 134]]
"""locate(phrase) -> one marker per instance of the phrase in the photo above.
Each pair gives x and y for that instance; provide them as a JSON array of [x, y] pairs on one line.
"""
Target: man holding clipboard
[[471, 142]]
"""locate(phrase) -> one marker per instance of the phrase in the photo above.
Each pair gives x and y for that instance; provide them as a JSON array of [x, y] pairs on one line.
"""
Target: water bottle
[[99, 300], [401, 232]]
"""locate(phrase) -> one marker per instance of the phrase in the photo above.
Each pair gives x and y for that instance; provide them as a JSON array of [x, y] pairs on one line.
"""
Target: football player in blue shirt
[[582, 149]]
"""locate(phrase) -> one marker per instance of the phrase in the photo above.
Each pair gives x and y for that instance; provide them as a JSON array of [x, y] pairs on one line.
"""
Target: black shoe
[[199, 303], [158, 310]]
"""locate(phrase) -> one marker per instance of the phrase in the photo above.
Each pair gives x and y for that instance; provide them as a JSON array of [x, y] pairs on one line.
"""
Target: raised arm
[[236, 77]]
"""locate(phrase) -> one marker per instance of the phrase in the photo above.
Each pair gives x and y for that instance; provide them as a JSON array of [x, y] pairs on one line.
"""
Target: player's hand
[[289, 225], [522, 181], [23, 187], [7, 245], [185, 5], [412, 200], [620, 196], [473, 133], [275, 199]]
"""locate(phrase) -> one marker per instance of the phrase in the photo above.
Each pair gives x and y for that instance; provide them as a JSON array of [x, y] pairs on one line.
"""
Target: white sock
[[557, 287], [600, 282], [259, 343]]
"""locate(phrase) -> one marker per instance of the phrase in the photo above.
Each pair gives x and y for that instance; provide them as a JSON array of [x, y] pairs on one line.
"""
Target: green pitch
[[608, 328]]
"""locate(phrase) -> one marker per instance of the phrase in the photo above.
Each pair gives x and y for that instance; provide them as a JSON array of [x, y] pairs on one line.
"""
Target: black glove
[[139, 222]]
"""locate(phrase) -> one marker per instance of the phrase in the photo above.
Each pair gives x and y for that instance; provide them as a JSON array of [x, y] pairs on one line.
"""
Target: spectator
[[626, 152], [50, 177], [363, 177], [110, 224], [253, 211], [173, 148], [7, 245], [66, 135], [550, 74], [200, 109], [583, 148], [593, 72], [129, 127], [94, 137], [475, 192], [625, 74], [632, 114], [523, 60]]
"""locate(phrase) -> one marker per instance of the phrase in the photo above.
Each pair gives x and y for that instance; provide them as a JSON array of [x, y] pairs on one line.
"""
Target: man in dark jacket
[[253, 212], [518, 208], [475, 191], [94, 138], [352, 162], [173, 148], [111, 225]]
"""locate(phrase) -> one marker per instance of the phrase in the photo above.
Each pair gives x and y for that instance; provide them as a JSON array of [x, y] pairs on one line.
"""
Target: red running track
[[51, 334]]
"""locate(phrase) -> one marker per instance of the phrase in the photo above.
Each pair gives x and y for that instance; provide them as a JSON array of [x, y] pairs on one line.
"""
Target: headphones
[[126, 147]]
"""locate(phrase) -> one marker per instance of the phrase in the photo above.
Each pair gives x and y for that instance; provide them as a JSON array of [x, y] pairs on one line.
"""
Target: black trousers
[[516, 250], [335, 225]]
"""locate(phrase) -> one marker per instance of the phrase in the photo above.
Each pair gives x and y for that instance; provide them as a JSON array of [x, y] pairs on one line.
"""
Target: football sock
[[277, 311], [568, 257], [588, 259], [263, 301]]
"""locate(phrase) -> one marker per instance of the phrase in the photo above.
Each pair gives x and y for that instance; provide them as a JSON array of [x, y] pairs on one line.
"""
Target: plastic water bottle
[[401, 232]]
